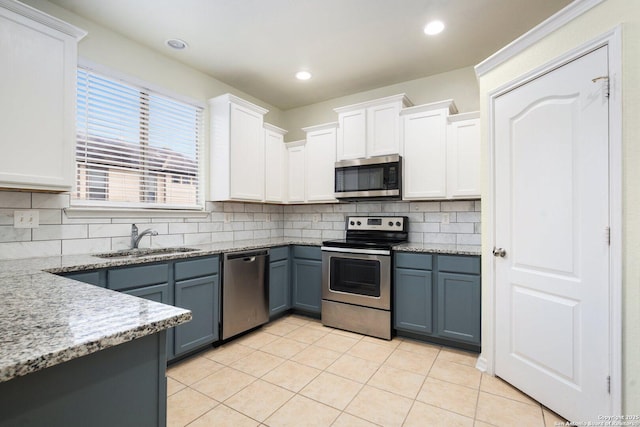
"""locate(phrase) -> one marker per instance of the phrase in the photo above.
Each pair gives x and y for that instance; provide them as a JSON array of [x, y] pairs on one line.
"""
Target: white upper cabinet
[[370, 128], [320, 165], [296, 168], [38, 61], [275, 156], [424, 130], [463, 156], [237, 149], [352, 135]]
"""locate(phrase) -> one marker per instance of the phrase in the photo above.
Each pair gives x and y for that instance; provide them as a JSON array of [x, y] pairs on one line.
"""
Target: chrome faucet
[[135, 237]]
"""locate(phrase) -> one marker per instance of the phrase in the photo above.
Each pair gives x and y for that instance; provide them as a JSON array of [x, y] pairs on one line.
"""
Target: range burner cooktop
[[372, 232]]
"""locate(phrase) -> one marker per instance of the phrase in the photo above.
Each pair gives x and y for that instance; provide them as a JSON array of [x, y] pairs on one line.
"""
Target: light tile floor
[[297, 372]]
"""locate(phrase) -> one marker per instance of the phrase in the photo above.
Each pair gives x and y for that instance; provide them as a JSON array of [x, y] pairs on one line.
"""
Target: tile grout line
[[421, 386]]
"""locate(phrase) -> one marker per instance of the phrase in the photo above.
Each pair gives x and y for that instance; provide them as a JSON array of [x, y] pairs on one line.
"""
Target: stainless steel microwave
[[371, 178]]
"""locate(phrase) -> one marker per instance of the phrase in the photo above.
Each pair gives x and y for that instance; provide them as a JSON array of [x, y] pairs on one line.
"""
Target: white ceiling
[[349, 45]]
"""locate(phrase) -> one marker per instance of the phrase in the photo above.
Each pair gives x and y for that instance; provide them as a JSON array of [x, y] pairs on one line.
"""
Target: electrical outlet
[[228, 217], [267, 217], [26, 219], [315, 218], [445, 218]]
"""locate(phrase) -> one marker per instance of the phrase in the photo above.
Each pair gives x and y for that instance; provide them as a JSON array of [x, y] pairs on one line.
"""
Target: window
[[135, 148]]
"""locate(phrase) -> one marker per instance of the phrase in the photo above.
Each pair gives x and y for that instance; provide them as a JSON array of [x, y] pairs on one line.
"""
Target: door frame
[[486, 361]]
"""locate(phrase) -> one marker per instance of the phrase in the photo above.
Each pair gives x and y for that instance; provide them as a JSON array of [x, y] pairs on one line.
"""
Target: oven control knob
[[398, 224], [359, 223], [390, 223], [352, 223]]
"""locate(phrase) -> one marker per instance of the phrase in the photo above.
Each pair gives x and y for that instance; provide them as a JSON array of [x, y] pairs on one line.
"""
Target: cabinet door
[[202, 297], [352, 135], [279, 295], [296, 166], [158, 293], [246, 134], [321, 158], [383, 129], [38, 84], [459, 307], [425, 155], [307, 285], [463, 158], [413, 300], [275, 171]]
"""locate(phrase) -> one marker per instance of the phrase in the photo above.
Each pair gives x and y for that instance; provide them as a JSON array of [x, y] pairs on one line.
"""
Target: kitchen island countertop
[[47, 320]]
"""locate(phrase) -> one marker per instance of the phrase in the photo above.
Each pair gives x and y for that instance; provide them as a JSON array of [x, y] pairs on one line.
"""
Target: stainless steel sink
[[138, 253]]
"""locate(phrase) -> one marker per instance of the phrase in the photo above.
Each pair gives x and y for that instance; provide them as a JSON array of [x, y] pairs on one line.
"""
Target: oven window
[[355, 276]]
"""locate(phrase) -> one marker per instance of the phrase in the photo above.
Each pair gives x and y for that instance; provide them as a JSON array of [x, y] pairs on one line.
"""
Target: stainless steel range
[[356, 275]]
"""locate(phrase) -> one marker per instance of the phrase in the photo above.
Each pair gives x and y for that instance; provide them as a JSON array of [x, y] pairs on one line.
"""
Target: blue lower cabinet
[[307, 285], [307, 279], [193, 284], [279, 284], [459, 307], [202, 297], [158, 293], [279, 295], [438, 297], [413, 309]]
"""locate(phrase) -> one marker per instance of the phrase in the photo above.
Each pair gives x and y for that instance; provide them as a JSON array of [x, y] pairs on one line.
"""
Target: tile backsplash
[[450, 222]]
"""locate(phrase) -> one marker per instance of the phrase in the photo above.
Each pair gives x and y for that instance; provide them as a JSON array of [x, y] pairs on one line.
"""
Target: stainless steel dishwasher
[[245, 291]]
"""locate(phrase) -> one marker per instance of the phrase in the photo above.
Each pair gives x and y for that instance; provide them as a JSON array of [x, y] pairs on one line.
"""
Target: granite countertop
[[48, 319], [438, 248]]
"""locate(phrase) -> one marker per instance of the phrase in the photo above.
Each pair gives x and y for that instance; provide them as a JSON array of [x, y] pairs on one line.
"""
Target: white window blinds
[[135, 148]]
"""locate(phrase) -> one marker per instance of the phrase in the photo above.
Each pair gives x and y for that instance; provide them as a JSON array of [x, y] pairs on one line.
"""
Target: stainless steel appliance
[[356, 275], [371, 178], [245, 291]]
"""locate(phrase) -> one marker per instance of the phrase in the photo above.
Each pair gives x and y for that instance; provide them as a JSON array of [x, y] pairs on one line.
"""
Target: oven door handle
[[356, 251]]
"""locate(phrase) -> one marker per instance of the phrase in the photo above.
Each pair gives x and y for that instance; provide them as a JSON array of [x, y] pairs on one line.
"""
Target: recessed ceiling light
[[433, 28], [177, 44], [303, 75]]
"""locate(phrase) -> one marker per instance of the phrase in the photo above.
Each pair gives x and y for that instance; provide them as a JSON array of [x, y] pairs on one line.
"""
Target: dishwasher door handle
[[246, 255]]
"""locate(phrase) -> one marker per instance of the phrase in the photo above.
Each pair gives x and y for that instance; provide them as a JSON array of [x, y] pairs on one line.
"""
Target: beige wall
[[460, 85], [585, 28]]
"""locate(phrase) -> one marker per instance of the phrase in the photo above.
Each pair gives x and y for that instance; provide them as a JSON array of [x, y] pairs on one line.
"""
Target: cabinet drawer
[[307, 252], [277, 254], [414, 260], [90, 277], [459, 264], [134, 277], [196, 268]]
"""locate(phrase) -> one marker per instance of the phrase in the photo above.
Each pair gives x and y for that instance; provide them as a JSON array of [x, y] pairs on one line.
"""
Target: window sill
[[80, 212]]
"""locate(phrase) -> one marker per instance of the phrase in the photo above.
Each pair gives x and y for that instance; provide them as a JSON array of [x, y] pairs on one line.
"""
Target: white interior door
[[552, 218]]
